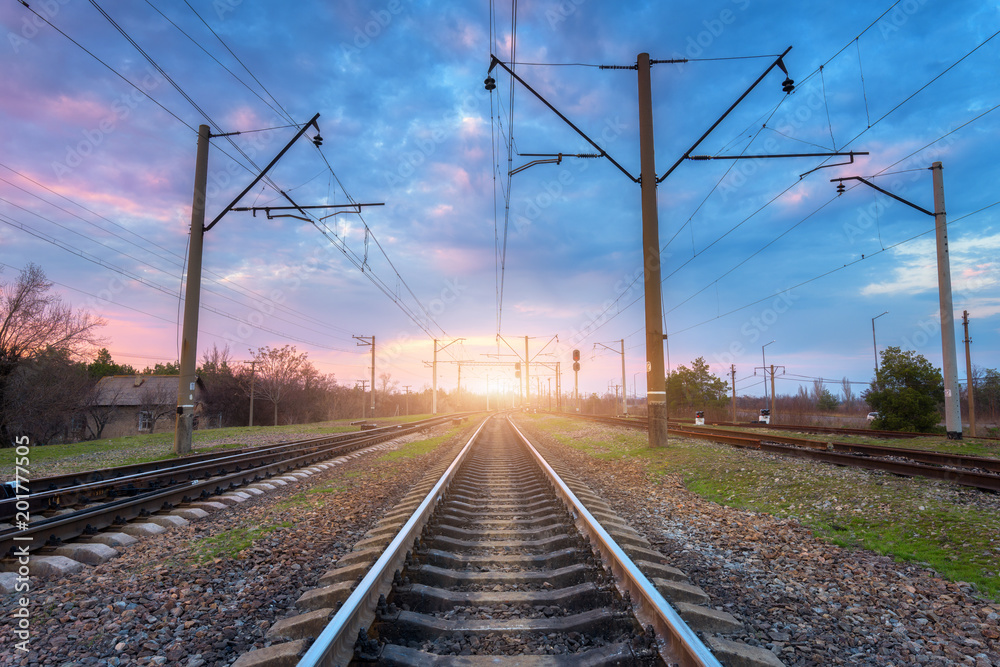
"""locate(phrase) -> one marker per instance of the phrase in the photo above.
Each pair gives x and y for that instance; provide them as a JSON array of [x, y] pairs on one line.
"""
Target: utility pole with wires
[[949, 355], [648, 180], [363, 385], [406, 390], [369, 341], [184, 425], [968, 375], [434, 372], [732, 375], [624, 403], [253, 376]]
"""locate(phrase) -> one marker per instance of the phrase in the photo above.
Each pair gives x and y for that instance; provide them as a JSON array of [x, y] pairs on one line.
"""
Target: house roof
[[137, 390]]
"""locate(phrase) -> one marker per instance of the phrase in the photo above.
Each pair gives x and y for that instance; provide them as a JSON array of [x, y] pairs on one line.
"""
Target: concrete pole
[[434, 380], [373, 376], [527, 378], [656, 391], [184, 426], [576, 390], [952, 408], [458, 388], [624, 397], [968, 375]]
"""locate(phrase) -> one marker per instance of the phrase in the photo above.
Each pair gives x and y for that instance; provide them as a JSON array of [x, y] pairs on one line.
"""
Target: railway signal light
[[517, 369], [576, 356], [576, 365]]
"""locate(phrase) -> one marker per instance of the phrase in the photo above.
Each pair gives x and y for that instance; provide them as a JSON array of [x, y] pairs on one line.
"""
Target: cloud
[[973, 267]]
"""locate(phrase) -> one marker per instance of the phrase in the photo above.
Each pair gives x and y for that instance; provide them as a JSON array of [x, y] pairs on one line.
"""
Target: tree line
[[49, 377]]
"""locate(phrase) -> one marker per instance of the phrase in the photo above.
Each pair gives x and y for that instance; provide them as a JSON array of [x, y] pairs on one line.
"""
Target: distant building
[[130, 404]]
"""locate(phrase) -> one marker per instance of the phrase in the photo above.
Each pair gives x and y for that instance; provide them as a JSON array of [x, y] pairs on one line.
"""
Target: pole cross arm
[[777, 63], [494, 61], [885, 192], [312, 122]]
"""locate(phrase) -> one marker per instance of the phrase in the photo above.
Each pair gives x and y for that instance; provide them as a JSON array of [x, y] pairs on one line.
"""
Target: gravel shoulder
[[202, 594], [807, 600]]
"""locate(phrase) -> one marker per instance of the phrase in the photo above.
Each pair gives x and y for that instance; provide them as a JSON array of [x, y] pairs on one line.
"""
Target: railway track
[[57, 509], [973, 471], [496, 559]]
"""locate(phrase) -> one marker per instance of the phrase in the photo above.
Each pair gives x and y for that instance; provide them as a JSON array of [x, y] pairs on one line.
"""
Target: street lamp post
[[874, 344]]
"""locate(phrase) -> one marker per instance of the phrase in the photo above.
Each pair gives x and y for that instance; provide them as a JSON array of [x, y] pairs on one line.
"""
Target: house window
[[145, 420]]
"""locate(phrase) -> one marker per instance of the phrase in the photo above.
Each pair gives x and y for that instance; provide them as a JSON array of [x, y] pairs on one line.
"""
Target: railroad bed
[[501, 570], [497, 558]]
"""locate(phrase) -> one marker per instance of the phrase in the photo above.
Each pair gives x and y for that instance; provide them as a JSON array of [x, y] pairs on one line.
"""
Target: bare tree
[[849, 397], [278, 372], [158, 400], [34, 323], [101, 407], [32, 320]]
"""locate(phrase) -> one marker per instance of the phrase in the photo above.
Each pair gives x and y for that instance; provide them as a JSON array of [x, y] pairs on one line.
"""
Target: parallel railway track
[[502, 563], [974, 471], [85, 503]]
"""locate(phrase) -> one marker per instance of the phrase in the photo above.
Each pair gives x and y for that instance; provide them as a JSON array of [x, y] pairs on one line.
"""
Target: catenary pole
[[184, 428], [968, 375], [655, 380], [952, 407]]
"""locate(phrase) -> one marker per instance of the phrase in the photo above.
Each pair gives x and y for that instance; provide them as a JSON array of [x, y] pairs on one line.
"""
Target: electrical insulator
[[490, 83], [576, 355], [788, 86], [840, 188], [576, 365], [318, 140]]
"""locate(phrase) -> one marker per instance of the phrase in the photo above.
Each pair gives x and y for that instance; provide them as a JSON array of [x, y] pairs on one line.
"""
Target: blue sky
[[97, 179]]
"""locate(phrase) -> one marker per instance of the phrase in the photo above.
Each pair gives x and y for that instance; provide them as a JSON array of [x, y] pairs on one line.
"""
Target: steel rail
[[71, 488], [682, 645], [335, 644], [56, 530], [943, 466]]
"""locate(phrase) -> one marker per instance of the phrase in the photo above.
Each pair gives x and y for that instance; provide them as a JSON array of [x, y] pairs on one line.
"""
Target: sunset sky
[[100, 104]]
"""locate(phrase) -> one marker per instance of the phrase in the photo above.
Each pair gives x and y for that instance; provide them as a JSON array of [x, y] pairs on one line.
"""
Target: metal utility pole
[[364, 386], [406, 389], [369, 341], [184, 425], [732, 374], [527, 377], [434, 371], [968, 375], [184, 428], [772, 393], [253, 377], [949, 361], [763, 360], [624, 404], [656, 384], [874, 344]]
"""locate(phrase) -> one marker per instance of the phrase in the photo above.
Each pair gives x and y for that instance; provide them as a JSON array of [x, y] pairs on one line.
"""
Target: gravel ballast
[[809, 602]]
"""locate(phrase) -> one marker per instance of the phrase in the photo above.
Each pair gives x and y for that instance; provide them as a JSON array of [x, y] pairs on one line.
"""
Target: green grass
[[420, 447], [229, 543], [909, 519], [147, 447]]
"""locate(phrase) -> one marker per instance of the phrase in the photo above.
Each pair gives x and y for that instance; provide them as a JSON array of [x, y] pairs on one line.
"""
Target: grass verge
[[951, 529]]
